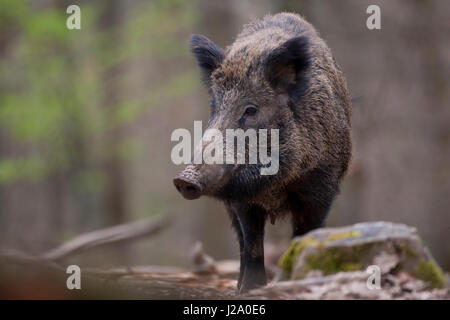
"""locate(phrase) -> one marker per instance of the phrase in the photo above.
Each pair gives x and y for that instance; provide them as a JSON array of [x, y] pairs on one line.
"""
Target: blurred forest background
[[86, 117]]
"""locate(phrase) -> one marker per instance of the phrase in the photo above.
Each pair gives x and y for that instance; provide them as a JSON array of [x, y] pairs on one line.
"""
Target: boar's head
[[252, 86]]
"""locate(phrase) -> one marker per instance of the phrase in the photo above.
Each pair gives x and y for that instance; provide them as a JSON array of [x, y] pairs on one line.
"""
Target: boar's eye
[[250, 110]]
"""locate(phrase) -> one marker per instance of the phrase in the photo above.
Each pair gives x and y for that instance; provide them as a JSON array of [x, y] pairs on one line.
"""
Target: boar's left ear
[[208, 55], [286, 66]]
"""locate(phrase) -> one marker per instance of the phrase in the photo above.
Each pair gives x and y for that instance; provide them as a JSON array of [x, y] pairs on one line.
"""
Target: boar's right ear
[[286, 65], [208, 55]]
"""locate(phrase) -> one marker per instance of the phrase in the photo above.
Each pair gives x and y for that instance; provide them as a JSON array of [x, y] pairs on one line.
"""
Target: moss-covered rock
[[393, 247], [289, 257], [430, 272]]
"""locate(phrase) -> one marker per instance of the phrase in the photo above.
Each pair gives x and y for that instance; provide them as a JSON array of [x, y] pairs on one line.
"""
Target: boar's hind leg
[[252, 272], [309, 214]]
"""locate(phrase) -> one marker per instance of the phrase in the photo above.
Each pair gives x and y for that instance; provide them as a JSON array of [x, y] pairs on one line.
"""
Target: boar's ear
[[286, 66], [208, 55]]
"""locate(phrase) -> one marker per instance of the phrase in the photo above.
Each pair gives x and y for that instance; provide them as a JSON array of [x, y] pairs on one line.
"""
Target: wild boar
[[278, 74]]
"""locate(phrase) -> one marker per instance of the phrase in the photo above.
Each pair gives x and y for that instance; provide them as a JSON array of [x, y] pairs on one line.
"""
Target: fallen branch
[[120, 233]]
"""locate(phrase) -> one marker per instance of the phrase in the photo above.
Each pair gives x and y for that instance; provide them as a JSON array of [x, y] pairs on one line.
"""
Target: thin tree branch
[[120, 233]]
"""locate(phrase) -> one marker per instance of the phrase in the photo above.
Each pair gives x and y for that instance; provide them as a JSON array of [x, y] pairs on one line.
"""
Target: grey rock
[[393, 248]]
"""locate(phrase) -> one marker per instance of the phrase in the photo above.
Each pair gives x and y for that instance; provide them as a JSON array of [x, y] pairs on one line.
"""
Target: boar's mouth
[[188, 188]]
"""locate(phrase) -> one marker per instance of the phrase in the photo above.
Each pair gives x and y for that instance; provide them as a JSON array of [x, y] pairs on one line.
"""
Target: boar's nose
[[190, 190]]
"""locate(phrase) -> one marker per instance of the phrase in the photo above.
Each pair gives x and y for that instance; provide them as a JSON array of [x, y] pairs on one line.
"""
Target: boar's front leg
[[250, 229], [237, 227]]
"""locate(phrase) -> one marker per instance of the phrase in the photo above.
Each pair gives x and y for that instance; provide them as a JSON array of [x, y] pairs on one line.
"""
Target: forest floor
[[328, 263], [20, 281], [221, 284]]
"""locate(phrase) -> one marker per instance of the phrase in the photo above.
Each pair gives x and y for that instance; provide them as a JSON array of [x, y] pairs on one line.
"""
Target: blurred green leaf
[[53, 81]]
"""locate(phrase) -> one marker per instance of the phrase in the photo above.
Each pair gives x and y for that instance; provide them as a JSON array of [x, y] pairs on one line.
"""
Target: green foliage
[[30, 169], [52, 84]]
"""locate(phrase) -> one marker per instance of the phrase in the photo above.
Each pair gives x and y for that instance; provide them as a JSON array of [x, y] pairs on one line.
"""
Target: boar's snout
[[198, 180], [188, 188]]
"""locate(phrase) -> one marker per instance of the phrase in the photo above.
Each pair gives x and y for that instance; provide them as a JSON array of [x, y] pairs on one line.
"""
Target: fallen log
[[113, 235]]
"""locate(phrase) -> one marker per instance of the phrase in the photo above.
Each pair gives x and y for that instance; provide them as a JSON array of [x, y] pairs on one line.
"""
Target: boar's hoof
[[256, 280]]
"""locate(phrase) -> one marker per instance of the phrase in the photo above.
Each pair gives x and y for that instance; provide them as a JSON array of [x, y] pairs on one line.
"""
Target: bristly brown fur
[[281, 65]]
